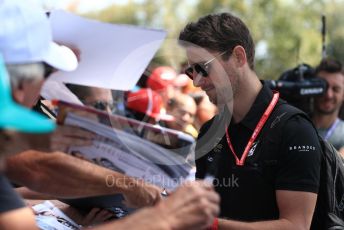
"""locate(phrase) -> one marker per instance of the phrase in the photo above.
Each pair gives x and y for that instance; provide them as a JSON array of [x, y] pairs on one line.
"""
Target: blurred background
[[286, 32]]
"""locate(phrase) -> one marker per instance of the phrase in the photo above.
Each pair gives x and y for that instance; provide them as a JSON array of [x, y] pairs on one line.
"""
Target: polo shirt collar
[[258, 108]]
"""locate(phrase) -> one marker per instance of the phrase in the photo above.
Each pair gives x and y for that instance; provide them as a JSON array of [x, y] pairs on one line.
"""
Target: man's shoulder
[[291, 127], [341, 123], [300, 120], [300, 127], [339, 130], [337, 137], [286, 117]]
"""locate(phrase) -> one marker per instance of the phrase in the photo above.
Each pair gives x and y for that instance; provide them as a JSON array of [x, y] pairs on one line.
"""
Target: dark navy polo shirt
[[288, 161]]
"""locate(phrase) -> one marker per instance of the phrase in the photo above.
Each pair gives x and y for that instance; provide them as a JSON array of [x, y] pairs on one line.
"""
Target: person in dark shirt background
[[327, 107]]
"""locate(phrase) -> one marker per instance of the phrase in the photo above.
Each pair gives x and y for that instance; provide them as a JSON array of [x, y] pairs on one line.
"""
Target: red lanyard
[[255, 132]]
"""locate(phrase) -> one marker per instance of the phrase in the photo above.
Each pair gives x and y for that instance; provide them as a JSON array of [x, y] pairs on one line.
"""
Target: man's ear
[[239, 55]]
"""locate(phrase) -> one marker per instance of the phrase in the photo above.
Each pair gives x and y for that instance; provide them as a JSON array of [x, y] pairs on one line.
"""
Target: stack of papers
[[125, 152]]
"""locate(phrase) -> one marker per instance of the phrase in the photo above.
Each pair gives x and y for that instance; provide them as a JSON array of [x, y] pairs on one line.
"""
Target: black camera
[[299, 86]]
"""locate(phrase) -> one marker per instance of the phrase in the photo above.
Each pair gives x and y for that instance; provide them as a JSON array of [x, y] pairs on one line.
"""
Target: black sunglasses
[[201, 68], [102, 105]]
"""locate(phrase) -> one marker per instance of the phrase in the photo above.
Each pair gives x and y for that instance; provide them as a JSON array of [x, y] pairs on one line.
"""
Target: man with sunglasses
[[263, 183], [98, 98]]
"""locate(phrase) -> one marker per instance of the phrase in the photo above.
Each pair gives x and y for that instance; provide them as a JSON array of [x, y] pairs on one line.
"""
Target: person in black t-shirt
[[9, 200], [264, 182], [13, 212]]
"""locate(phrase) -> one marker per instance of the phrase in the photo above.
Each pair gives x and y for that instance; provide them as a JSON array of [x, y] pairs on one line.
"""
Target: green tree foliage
[[286, 32], [335, 29]]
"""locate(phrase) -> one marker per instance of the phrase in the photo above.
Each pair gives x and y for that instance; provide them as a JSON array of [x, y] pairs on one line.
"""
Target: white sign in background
[[112, 56]]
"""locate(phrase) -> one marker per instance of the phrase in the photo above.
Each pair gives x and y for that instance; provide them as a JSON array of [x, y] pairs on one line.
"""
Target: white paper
[[130, 154], [49, 217], [52, 90], [112, 56]]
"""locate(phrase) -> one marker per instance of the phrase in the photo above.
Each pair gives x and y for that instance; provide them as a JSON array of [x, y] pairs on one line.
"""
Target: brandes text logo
[[302, 148]]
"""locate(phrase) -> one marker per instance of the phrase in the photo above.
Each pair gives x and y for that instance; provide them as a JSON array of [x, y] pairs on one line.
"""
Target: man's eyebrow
[[198, 62]]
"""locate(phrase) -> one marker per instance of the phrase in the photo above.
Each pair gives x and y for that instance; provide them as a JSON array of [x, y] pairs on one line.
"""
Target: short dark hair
[[82, 92], [329, 65], [219, 32]]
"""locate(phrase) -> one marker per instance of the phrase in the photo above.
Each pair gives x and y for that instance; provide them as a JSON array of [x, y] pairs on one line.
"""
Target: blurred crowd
[[162, 96], [41, 170]]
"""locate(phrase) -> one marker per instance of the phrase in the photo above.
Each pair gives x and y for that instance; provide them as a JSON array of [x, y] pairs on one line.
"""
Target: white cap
[[26, 37]]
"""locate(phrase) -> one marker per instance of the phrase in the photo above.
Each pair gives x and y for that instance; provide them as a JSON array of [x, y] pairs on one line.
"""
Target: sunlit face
[[332, 100], [30, 78], [205, 110], [32, 93], [28, 93], [184, 113], [221, 75]]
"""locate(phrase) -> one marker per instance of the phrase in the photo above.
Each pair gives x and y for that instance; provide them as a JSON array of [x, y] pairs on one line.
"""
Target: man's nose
[[186, 117], [329, 93]]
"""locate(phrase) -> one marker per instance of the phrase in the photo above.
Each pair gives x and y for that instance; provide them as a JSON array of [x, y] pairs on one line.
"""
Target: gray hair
[[25, 72]]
